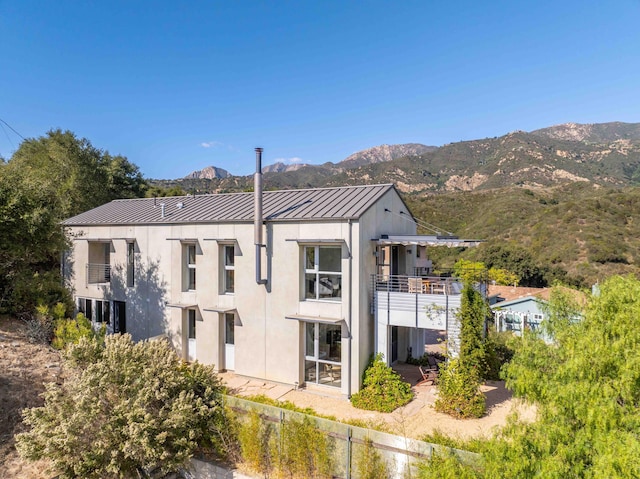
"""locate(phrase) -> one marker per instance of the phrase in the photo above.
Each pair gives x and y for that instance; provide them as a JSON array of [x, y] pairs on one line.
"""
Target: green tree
[[515, 259], [586, 386], [503, 277], [470, 271], [459, 380], [125, 408], [47, 180]]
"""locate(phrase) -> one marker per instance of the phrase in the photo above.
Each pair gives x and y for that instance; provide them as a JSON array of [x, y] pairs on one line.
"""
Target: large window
[[323, 354], [131, 263], [323, 272], [228, 252], [190, 266]]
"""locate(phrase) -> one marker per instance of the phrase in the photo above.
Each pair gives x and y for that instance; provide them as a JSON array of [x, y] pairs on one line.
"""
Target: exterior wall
[[267, 344], [374, 223]]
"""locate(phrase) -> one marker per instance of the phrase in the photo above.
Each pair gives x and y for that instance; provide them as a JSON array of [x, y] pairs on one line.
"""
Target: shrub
[[40, 327], [458, 391], [424, 359], [498, 352], [445, 464], [136, 407], [255, 437], [370, 463], [383, 389], [69, 331], [304, 451]]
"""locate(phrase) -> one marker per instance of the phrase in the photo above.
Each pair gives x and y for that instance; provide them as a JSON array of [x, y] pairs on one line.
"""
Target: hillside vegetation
[[589, 232]]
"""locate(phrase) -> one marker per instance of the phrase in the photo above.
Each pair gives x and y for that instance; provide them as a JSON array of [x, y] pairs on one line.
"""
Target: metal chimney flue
[[257, 215]]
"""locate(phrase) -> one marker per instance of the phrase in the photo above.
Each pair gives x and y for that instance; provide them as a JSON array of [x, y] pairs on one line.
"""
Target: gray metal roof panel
[[309, 204]]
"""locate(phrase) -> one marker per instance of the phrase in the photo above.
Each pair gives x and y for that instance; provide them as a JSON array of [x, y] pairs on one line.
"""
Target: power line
[[4, 130], [12, 129], [424, 224]]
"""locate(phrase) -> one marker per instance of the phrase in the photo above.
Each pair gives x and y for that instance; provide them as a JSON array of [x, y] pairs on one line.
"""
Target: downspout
[[257, 213], [349, 309]]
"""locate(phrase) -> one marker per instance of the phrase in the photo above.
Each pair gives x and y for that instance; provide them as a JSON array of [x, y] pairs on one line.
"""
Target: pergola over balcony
[[449, 241]]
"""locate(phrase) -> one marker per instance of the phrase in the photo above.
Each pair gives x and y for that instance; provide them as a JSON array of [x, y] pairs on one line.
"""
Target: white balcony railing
[[98, 273], [417, 302]]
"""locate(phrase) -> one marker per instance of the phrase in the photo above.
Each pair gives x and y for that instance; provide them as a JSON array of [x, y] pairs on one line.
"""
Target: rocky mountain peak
[[209, 172]]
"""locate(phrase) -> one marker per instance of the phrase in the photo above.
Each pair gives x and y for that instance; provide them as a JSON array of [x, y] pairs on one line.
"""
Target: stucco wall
[[267, 344]]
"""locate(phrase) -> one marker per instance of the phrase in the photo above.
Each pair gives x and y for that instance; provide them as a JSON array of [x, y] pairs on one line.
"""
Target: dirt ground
[[24, 368], [413, 420]]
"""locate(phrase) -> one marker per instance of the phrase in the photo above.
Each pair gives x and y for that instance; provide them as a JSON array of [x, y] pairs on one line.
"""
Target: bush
[[135, 407], [69, 331], [383, 389], [40, 327], [369, 463], [498, 352], [304, 451], [255, 438], [446, 465], [424, 359], [459, 392]]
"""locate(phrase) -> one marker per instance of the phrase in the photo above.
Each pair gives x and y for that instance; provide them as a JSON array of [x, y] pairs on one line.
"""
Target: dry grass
[[24, 368]]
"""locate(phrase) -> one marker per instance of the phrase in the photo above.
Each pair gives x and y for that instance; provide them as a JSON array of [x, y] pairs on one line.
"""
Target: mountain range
[[606, 154]]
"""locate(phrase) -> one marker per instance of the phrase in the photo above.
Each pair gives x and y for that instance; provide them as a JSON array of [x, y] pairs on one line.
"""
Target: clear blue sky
[[177, 86]]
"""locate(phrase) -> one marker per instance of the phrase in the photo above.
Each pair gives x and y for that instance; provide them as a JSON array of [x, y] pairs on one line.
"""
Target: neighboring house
[[297, 286], [518, 308]]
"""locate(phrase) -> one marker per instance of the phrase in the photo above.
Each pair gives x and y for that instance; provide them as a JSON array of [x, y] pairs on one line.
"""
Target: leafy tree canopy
[[47, 180], [78, 175], [586, 386], [125, 408]]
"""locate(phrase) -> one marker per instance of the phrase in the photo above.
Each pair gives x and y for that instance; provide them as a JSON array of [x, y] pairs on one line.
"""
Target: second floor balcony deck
[[413, 301]]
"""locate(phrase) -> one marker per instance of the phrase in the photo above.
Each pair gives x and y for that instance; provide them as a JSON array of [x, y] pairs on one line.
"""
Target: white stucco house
[[295, 286]]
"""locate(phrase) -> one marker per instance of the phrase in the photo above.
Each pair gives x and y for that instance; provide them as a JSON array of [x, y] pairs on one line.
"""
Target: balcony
[[416, 302], [98, 273]]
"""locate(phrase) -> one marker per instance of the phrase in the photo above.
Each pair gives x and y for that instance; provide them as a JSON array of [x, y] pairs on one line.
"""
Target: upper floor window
[[131, 263], [323, 272], [190, 266], [229, 268], [99, 264]]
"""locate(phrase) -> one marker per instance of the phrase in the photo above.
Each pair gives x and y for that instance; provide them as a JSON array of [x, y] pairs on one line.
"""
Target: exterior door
[[394, 344], [191, 335], [229, 342], [119, 317]]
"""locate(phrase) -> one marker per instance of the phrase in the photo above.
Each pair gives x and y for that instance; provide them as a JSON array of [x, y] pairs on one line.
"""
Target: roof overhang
[[427, 240], [182, 305], [316, 241], [313, 319], [220, 309], [96, 240]]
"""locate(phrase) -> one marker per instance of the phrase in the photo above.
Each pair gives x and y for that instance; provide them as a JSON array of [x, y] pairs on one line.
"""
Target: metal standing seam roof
[[348, 202]]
